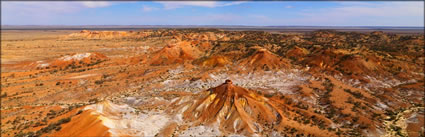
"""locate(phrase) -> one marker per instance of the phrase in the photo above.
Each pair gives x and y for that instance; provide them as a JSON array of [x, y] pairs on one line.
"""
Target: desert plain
[[212, 82]]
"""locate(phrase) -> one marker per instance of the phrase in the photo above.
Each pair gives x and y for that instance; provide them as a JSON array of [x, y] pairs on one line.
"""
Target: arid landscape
[[212, 82]]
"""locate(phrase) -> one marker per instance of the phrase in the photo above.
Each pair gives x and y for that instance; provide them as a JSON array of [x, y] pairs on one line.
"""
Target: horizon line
[[230, 25]]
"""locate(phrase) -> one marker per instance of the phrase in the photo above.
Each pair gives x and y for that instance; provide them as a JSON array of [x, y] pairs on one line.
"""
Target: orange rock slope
[[77, 59], [215, 61], [85, 124], [263, 59], [223, 110], [99, 34], [68, 61], [175, 53], [236, 110]]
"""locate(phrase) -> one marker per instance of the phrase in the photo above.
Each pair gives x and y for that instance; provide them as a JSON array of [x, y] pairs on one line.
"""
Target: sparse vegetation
[[348, 79]]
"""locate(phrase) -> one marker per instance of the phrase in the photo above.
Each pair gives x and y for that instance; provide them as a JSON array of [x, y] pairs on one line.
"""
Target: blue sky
[[264, 13]]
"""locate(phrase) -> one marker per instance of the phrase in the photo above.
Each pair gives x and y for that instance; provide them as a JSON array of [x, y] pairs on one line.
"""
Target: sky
[[250, 13]]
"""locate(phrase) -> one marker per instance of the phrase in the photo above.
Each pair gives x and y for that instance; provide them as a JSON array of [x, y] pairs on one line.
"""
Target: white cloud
[[148, 8], [387, 9], [51, 7], [32, 7], [43, 12], [230, 3], [366, 13], [344, 13], [96, 4], [209, 4], [288, 7]]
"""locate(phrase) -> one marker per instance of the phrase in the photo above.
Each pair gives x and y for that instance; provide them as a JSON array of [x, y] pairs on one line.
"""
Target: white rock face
[[202, 131], [83, 76], [42, 64], [375, 82], [75, 57], [122, 119], [380, 106], [280, 81]]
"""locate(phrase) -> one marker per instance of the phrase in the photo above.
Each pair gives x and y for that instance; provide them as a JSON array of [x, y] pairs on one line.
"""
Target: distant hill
[[393, 29]]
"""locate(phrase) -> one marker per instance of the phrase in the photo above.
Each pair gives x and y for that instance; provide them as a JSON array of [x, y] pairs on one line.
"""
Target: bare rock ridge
[[235, 109], [175, 53], [263, 59], [86, 34], [215, 61], [75, 60]]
